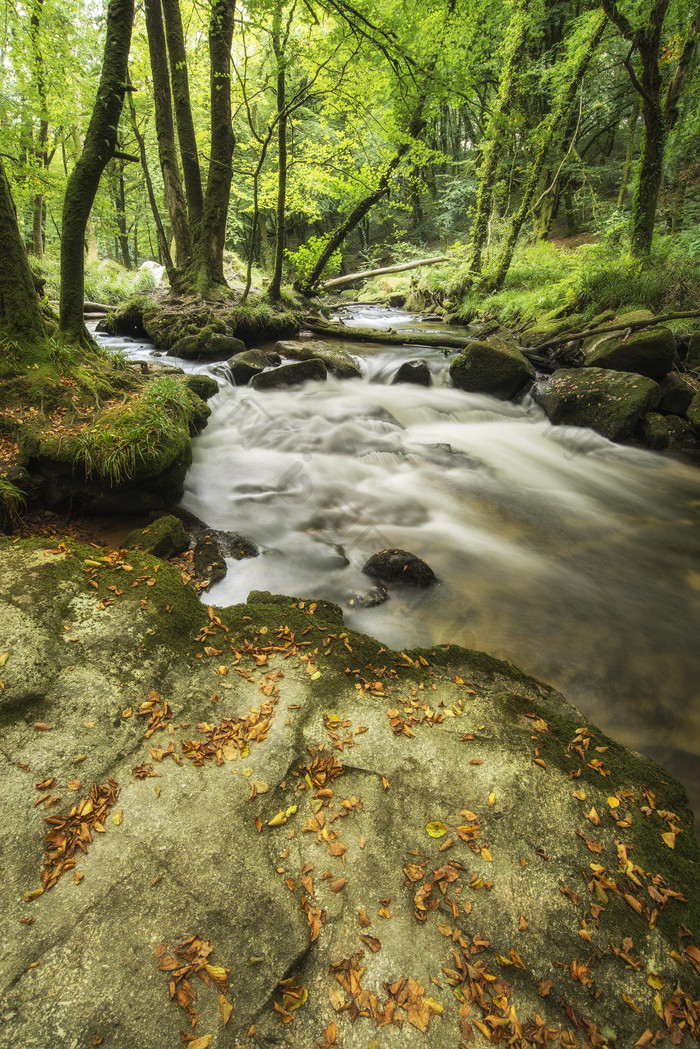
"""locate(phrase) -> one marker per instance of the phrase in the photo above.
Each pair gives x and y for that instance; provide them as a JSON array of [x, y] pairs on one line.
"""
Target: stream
[[575, 558]]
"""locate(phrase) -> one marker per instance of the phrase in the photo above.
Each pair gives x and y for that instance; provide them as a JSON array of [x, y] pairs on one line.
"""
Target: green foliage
[[13, 501], [304, 258], [138, 434], [105, 281]]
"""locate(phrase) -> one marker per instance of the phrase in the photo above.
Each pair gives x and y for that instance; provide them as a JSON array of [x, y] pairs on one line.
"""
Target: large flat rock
[[509, 867]]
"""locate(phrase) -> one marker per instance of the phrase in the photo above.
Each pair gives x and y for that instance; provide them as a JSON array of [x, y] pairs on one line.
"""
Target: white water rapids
[[575, 558]]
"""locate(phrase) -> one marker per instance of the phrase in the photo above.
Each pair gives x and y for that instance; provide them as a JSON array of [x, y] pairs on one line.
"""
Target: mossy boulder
[[496, 370], [548, 830], [245, 365], [652, 430], [165, 537], [336, 360], [608, 401], [677, 393], [289, 375], [202, 385], [650, 352], [693, 413], [692, 357]]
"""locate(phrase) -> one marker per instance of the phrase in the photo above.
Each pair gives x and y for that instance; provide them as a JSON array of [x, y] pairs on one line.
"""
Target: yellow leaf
[[434, 1006], [436, 829], [4, 658], [503, 961], [118, 817], [658, 1006], [277, 820], [669, 839], [290, 811], [200, 1043], [492, 799], [29, 896], [613, 802], [217, 972], [486, 855], [656, 981]]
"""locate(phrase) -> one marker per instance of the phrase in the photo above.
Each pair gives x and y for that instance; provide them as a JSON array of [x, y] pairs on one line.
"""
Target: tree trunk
[[628, 160], [208, 262], [656, 116], [165, 131], [350, 278], [40, 149], [20, 313], [552, 124], [367, 203], [497, 138], [183, 112], [275, 286], [120, 205], [100, 142], [163, 252]]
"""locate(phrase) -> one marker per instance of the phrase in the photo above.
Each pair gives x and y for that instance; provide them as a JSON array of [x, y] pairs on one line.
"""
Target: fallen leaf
[[225, 1008], [41, 726], [372, 942], [74, 784], [436, 829], [338, 884], [200, 1043]]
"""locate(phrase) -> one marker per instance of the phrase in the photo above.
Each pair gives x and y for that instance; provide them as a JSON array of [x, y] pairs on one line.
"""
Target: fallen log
[[585, 333], [405, 338], [96, 307], [350, 278]]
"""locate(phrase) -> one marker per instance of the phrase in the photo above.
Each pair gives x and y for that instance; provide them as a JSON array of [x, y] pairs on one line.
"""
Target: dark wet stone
[[289, 375], [208, 562], [416, 372], [399, 566]]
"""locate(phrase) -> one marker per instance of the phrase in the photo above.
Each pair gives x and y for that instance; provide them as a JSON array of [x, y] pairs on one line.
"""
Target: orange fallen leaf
[[225, 1008], [338, 884]]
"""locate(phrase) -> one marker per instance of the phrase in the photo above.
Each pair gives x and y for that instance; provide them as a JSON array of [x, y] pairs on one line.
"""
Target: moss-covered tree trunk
[[162, 239], [165, 131], [552, 125], [20, 313], [493, 150], [275, 286], [658, 115], [207, 268], [177, 54], [100, 142]]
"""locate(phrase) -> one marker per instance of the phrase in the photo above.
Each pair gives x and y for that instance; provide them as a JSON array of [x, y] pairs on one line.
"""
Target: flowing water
[[575, 558]]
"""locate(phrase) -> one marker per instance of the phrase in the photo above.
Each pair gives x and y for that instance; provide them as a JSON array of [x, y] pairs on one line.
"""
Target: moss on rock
[[495, 370]]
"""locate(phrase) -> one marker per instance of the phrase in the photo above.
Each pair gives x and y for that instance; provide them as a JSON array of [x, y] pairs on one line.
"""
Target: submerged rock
[[609, 402], [649, 352], [165, 537], [399, 566], [289, 375], [416, 372], [553, 830], [495, 370]]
